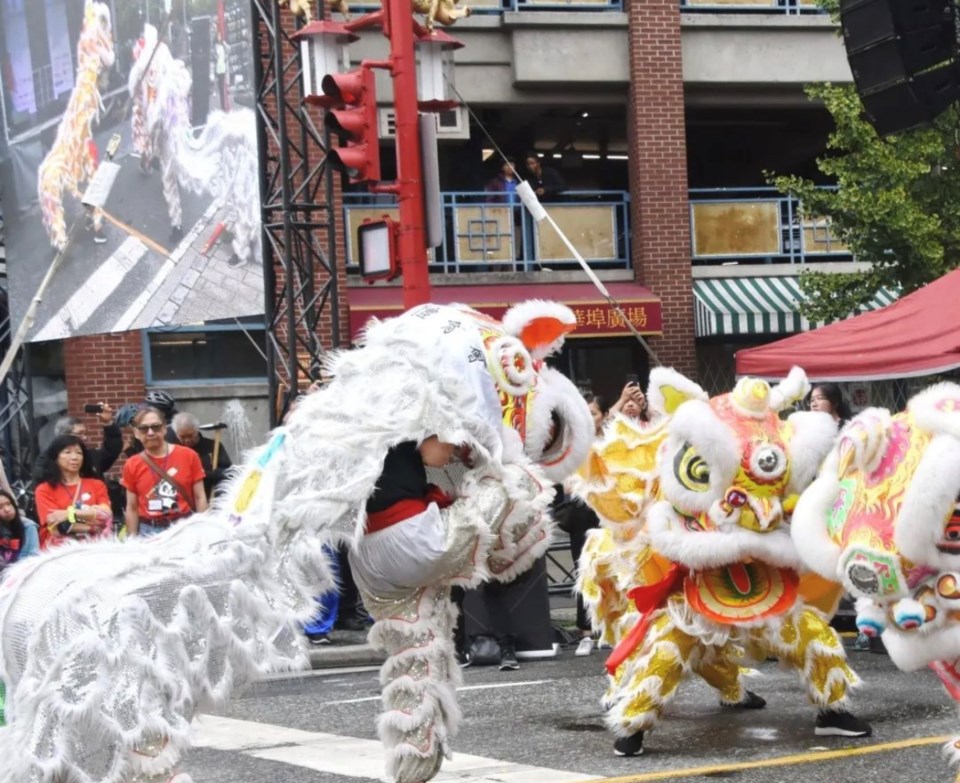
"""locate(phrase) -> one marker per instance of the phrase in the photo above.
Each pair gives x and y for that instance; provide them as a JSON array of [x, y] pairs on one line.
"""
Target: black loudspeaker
[[529, 606], [913, 103], [200, 32], [902, 56]]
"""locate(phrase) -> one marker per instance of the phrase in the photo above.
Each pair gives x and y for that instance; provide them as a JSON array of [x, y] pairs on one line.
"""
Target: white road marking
[[459, 690], [94, 291], [318, 673], [353, 757]]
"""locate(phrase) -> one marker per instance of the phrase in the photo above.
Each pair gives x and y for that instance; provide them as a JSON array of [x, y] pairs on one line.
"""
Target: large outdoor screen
[[129, 144]]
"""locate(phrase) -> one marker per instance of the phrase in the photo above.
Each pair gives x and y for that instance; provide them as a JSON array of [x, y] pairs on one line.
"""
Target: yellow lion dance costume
[[693, 569]]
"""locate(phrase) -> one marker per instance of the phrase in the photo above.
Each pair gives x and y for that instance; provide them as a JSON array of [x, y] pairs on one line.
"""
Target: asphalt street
[[543, 724]]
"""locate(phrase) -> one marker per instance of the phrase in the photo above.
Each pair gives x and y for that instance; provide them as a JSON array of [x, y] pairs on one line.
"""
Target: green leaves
[[897, 205]]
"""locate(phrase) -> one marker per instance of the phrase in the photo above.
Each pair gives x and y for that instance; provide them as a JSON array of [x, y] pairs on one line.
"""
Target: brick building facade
[[658, 174]]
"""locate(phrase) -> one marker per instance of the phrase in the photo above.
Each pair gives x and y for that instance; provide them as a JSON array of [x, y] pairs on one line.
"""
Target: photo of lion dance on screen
[[72, 160], [222, 162]]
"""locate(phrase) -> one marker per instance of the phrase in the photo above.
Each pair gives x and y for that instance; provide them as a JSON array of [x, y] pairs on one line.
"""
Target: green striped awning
[[758, 305]]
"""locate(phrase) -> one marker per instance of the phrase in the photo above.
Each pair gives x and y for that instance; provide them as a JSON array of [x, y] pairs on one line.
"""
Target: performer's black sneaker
[[318, 639], [99, 237], [629, 746], [750, 701], [508, 659], [840, 723], [176, 234]]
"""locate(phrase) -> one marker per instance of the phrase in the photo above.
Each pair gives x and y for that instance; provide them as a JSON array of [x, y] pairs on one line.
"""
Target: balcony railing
[[758, 225], [789, 7], [499, 6], [484, 232]]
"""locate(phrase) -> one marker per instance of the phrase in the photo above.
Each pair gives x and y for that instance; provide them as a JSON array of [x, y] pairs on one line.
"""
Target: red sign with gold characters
[[595, 316]]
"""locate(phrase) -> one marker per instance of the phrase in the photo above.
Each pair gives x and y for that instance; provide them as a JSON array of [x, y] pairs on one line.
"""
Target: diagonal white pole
[[539, 214]]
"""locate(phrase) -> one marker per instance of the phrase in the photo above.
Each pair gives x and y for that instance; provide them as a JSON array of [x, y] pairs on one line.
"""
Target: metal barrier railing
[[492, 232], [561, 570]]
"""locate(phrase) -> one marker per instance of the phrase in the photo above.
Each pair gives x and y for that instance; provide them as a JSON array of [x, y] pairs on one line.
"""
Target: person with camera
[[632, 402], [164, 482], [111, 444]]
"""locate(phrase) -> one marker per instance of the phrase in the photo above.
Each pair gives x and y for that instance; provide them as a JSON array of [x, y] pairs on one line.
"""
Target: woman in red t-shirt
[[70, 504]]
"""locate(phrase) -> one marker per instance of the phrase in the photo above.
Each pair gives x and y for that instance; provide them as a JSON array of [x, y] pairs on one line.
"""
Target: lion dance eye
[[768, 462], [948, 586], [691, 470]]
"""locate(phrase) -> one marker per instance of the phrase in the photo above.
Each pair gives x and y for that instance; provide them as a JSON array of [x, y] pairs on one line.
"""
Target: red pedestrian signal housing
[[355, 123]]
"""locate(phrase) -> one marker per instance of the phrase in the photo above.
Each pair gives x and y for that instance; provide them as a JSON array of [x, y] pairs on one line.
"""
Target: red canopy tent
[[918, 334]]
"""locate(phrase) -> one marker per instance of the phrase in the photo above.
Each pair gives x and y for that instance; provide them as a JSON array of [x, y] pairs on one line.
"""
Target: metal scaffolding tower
[[296, 186], [16, 409]]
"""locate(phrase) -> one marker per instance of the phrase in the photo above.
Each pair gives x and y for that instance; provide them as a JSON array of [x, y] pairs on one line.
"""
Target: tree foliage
[[897, 204]]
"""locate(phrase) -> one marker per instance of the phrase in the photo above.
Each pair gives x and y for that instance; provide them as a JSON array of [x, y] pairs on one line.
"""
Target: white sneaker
[[585, 647]]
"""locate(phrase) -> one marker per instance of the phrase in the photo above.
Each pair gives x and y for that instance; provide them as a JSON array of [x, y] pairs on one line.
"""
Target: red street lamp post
[[399, 26], [412, 238]]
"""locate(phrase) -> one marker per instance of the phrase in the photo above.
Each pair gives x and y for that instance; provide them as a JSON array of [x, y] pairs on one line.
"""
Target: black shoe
[[463, 660], [351, 624], [508, 659], [318, 639], [176, 234], [99, 237], [235, 262], [629, 746], [750, 701], [840, 723]]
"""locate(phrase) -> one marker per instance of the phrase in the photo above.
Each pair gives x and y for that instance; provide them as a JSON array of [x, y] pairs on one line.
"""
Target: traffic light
[[355, 123]]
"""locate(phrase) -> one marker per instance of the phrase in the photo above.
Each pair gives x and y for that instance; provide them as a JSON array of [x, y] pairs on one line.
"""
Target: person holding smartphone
[[632, 402], [100, 459]]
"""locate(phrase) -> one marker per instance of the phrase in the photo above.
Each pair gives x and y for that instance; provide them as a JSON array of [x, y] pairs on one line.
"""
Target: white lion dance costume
[[71, 162], [109, 650], [222, 163], [883, 518], [693, 569]]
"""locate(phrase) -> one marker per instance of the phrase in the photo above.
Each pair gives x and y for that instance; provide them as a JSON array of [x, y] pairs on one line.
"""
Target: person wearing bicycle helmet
[[163, 401]]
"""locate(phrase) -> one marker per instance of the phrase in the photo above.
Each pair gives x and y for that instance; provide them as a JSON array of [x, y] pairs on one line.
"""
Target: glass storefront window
[[212, 352]]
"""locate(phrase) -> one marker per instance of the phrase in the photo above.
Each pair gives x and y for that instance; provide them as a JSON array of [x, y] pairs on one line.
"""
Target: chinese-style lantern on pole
[[435, 72], [323, 50]]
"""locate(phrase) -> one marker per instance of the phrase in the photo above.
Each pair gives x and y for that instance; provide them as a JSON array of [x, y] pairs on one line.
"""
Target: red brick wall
[[102, 368], [658, 174]]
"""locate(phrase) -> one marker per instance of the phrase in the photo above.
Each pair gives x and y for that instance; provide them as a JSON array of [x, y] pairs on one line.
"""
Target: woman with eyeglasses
[[71, 504], [827, 398], [164, 482]]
